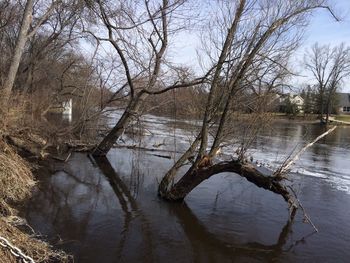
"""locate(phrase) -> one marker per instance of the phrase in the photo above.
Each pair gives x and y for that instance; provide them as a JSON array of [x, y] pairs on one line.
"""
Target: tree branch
[[286, 166]]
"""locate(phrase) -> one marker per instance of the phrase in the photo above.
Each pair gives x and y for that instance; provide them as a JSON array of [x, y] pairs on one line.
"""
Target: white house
[[293, 98], [298, 101]]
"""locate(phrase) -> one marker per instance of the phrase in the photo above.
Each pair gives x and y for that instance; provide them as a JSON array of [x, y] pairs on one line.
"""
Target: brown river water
[[110, 212]]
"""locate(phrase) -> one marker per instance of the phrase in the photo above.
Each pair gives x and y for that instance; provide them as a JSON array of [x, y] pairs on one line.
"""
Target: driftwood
[[34, 146], [135, 147], [162, 156], [26, 147], [306, 216], [80, 146]]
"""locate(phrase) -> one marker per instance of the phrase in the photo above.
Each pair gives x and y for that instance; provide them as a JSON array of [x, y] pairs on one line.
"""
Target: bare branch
[[285, 168]]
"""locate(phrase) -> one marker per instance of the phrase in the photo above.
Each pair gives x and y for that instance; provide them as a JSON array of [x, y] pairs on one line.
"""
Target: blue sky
[[323, 29]]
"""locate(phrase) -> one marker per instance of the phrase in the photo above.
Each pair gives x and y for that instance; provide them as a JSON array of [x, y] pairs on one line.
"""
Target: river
[[111, 213]]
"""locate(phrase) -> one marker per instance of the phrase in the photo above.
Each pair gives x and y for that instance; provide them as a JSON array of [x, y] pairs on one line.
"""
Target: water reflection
[[79, 206], [108, 211], [208, 247], [129, 206]]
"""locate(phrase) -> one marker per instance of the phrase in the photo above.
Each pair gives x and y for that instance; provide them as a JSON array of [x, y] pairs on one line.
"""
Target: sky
[[323, 29]]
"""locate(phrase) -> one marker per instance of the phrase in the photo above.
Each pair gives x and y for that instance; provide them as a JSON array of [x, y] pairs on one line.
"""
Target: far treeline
[[108, 55]]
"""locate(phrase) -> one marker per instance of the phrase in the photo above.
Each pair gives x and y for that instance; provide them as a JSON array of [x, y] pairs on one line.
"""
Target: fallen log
[[26, 147]]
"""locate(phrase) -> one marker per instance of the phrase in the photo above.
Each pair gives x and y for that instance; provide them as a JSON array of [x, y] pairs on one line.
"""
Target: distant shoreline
[[311, 119]]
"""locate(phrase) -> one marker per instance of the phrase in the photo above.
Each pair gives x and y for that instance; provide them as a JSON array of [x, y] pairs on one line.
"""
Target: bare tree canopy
[[26, 31], [329, 67], [253, 44], [139, 33]]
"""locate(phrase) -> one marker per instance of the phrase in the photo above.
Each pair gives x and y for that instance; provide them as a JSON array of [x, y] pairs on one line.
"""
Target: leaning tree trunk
[[196, 175], [247, 170], [131, 111], [16, 58]]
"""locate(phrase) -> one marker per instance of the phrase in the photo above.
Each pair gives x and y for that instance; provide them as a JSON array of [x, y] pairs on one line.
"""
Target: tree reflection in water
[[205, 245], [208, 247], [111, 218], [129, 206]]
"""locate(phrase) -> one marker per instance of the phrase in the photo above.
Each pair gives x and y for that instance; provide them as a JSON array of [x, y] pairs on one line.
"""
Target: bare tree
[[139, 34], [329, 67], [23, 35], [52, 40], [254, 33], [7, 11]]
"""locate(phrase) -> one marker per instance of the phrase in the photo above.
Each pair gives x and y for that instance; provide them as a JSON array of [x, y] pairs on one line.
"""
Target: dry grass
[[16, 182], [16, 178], [38, 250]]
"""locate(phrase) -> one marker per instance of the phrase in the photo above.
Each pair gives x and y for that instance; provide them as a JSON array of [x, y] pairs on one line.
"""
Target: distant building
[[67, 106], [298, 101], [295, 99], [344, 103]]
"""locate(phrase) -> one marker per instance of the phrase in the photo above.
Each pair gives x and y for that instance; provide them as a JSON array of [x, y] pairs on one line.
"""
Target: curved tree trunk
[[247, 170]]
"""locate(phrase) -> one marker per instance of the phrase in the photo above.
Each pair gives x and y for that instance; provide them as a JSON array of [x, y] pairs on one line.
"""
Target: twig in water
[[162, 156], [308, 219]]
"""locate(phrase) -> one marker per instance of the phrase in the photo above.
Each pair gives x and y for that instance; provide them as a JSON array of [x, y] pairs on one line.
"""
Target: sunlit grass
[[343, 118]]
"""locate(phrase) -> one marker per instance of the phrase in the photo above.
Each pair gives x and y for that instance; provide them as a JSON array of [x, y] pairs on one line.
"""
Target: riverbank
[[16, 236], [275, 117], [310, 119]]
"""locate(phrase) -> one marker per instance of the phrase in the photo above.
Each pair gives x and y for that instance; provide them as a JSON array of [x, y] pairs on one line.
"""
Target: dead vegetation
[[15, 178], [38, 250], [16, 182]]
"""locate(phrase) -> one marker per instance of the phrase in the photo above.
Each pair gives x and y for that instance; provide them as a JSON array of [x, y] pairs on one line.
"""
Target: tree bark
[[29, 78], [16, 58], [321, 106], [216, 79], [196, 176], [127, 117], [170, 175]]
